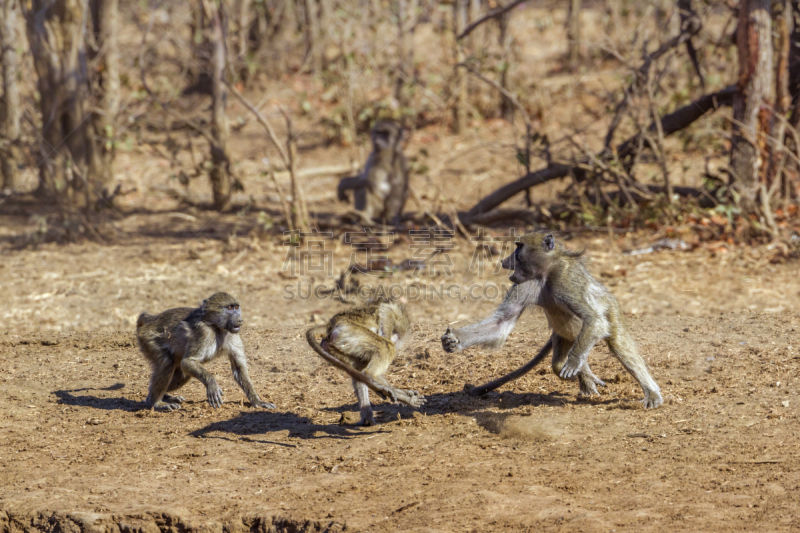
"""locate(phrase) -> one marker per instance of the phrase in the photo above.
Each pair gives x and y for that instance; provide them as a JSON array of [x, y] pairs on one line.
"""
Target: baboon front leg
[[578, 354]]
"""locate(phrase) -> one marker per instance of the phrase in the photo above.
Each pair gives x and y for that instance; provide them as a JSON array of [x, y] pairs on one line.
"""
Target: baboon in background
[[363, 342], [579, 309], [179, 341], [381, 190]]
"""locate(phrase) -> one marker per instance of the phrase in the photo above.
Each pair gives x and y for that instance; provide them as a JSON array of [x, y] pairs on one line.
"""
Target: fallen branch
[[675, 121]]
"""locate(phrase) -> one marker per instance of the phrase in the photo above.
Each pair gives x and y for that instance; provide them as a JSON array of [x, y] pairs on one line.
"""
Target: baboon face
[[532, 257], [385, 135], [223, 311]]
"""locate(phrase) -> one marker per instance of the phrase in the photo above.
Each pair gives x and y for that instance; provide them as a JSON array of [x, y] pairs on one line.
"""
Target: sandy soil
[[79, 453]]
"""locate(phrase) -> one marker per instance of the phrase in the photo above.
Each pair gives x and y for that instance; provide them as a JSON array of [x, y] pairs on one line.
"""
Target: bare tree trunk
[[299, 205], [107, 98], [754, 96], [324, 28], [574, 33], [71, 159], [312, 36], [10, 134], [479, 33], [504, 39], [243, 26], [777, 161], [199, 80], [221, 166], [460, 85], [402, 69]]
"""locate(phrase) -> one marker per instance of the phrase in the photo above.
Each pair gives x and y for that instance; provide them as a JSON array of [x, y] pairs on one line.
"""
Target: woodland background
[[675, 116]]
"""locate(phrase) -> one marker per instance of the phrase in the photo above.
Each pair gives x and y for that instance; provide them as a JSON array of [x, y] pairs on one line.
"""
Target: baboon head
[[386, 135], [535, 255], [223, 312]]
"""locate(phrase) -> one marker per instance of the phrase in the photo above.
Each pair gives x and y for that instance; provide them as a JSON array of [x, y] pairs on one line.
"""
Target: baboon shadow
[[462, 402], [66, 397], [251, 423]]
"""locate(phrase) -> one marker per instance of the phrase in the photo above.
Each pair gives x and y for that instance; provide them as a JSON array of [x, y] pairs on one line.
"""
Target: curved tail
[[518, 373], [311, 337]]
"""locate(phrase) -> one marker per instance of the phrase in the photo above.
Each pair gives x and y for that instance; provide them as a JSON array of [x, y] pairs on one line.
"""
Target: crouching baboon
[[179, 341], [381, 190], [579, 309], [363, 342]]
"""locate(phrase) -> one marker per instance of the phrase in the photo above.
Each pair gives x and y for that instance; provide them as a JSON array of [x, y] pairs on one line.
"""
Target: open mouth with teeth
[[235, 329]]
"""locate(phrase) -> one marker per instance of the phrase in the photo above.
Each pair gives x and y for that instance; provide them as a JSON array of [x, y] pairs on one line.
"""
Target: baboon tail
[[311, 337], [516, 374]]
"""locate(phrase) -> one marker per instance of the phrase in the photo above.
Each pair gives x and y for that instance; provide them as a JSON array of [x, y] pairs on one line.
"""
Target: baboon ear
[[549, 242], [204, 305]]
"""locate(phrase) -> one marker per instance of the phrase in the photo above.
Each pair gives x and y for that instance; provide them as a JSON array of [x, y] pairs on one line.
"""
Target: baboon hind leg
[[373, 352], [362, 394], [179, 379], [586, 378]]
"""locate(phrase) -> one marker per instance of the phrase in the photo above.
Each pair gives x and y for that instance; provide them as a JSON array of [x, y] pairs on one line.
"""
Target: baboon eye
[[549, 243], [231, 307]]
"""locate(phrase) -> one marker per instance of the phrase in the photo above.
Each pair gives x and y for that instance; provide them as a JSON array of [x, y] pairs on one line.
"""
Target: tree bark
[[71, 160], [312, 36], [754, 97], [10, 134], [504, 40], [574, 33], [221, 166], [460, 103], [105, 14]]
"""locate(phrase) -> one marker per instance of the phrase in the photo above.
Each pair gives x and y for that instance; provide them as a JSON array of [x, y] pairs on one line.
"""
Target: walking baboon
[[363, 342], [579, 309], [381, 190], [179, 341]]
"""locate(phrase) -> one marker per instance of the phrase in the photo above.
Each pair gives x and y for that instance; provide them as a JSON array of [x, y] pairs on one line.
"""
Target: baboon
[[382, 188], [579, 309], [179, 341], [363, 342]]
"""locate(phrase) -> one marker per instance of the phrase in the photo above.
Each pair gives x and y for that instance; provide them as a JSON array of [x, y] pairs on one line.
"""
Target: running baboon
[[363, 342], [579, 309]]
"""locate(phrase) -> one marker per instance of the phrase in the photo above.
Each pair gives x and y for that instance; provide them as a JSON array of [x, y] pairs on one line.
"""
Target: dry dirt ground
[[718, 330]]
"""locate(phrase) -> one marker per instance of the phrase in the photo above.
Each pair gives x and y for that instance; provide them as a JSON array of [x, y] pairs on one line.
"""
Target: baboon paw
[[366, 422], [174, 399], [415, 399], [166, 406], [263, 404], [569, 371], [652, 399], [450, 343], [215, 397]]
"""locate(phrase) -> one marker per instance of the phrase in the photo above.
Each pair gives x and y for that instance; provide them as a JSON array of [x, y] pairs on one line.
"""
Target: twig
[[287, 211], [670, 123], [490, 15], [262, 120]]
